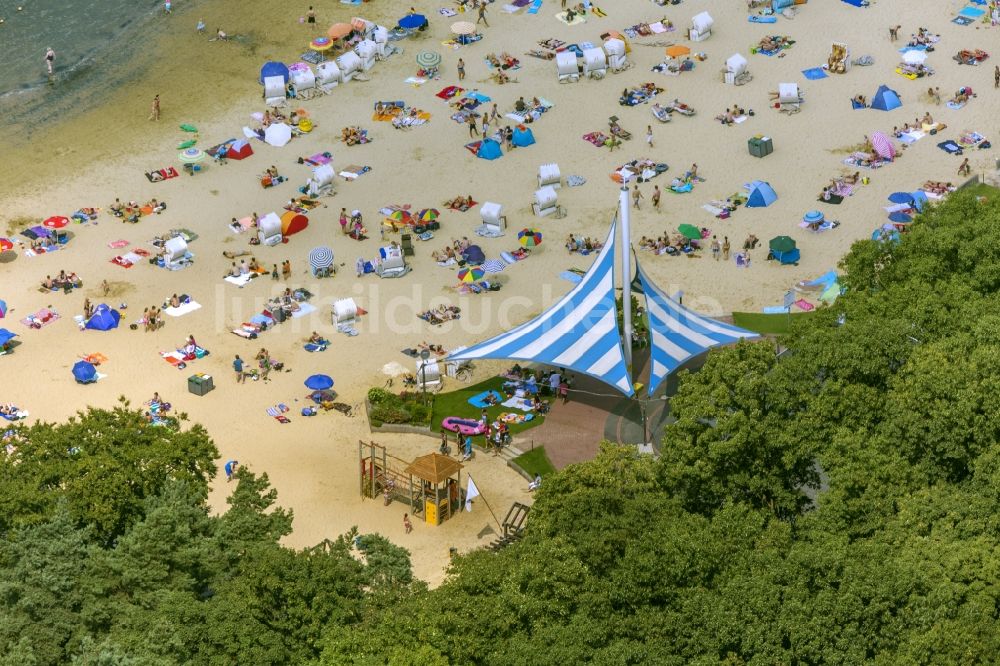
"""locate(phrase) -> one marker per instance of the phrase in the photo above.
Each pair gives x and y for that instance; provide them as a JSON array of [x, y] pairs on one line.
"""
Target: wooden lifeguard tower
[[431, 485]]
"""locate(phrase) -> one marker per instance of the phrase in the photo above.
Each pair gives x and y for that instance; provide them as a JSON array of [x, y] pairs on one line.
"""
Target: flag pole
[[626, 250], [487, 505]]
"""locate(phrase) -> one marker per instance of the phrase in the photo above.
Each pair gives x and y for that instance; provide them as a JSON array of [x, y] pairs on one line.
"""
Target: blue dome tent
[[103, 319], [489, 150], [273, 69], [522, 137], [761, 195], [886, 99]]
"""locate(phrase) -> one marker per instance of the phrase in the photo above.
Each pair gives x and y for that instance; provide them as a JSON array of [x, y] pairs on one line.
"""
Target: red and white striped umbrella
[[882, 145]]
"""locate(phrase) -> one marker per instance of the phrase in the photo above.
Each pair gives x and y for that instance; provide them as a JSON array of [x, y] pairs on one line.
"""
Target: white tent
[[274, 91], [277, 134], [175, 250], [327, 75], [595, 62], [269, 229], [566, 67], [349, 64]]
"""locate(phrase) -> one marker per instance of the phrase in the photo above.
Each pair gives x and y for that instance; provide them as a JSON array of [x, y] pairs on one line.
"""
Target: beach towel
[[960, 20], [447, 11], [776, 309], [174, 358], [535, 6], [353, 171], [240, 281], [596, 138], [814, 73], [972, 12], [313, 347], [183, 309], [577, 18], [954, 105], [857, 3], [510, 9], [804, 305], [479, 400], [43, 317], [951, 147], [304, 309], [165, 174], [319, 159], [834, 200], [570, 276], [278, 412], [94, 359], [118, 244], [753, 18], [462, 210]]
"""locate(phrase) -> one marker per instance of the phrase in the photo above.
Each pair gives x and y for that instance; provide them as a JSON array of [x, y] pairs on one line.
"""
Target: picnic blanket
[[43, 317], [352, 171], [183, 309], [240, 281], [479, 400], [319, 159], [127, 260], [118, 244], [165, 174], [814, 73], [562, 16], [598, 138]]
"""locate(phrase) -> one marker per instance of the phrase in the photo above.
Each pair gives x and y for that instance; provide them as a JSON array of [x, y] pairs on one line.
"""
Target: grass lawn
[[758, 322], [456, 403], [535, 462]]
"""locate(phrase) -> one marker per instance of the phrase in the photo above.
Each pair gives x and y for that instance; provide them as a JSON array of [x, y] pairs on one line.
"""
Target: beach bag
[[308, 411]]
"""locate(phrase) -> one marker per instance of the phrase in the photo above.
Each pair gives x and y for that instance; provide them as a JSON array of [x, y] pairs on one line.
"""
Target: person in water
[[50, 57]]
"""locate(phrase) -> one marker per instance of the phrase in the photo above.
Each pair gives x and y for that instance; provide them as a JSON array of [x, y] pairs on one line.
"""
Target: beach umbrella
[[3, 309], [6, 244], [321, 44], [781, 244], [84, 372], [191, 155], [529, 237], [412, 21], [677, 50], [292, 223], [400, 217], [56, 222], [428, 215], [494, 265], [277, 134], [6, 336], [319, 382], [901, 198], [689, 231], [901, 218], [914, 57], [882, 145], [187, 127], [339, 30], [321, 257], [428, 59], [473, 274], [463, 28], [272, 68], [812, 217]]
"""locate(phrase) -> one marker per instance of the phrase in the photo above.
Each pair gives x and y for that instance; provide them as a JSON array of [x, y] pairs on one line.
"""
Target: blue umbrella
[[813, 216], [6, 336], [84, 372], [3, 309], [319, 382], [901, 198], [412, 21], [902, 218]]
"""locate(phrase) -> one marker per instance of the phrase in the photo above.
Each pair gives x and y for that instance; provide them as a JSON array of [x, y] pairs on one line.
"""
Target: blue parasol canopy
[[902, 218], [901, 198], [6, 336], [412, 21], [84, 372], [319, 382]]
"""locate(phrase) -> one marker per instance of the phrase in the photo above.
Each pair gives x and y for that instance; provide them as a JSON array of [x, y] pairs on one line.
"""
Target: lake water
[[93, 41]]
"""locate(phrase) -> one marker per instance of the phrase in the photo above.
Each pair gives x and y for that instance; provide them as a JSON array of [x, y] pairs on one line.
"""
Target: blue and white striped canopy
[[580, 332], [678, 334]]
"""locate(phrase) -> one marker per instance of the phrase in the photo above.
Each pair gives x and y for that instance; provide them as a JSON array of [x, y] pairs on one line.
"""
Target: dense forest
[[837, 505]]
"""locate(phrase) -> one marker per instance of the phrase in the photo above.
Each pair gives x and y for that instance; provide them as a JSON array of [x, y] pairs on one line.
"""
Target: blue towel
[[535, 6], [570, 276], [480, 399], [972, 12], [777, 309], [762, 19], [857, 3], [814, 73]]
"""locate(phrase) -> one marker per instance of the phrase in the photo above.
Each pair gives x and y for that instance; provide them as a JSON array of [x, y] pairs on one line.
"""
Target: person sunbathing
[[175, 301], [853, 179], [315, 339], [859, 99]]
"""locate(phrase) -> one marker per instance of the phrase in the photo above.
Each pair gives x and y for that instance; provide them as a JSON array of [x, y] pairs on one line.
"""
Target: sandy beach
[[103, 151]]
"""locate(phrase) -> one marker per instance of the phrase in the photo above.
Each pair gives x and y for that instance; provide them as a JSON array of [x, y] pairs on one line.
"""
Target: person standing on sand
[[482, 14], [636, 195], [716, 248], [50, 57], [656, 197], [155, 111], [238, 369], [407, 525], [725, 248], [996, 76], [311, 16], [231, 466], [473, 130], [649, 135], [461, 69]]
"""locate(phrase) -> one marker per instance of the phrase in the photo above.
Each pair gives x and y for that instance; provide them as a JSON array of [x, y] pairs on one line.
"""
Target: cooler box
[[760, 146], [200, 384]]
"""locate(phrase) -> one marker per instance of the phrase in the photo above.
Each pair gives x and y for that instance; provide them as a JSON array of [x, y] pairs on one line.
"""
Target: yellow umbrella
[[338, 30], [677, 50], [463, 28], [321, 44]]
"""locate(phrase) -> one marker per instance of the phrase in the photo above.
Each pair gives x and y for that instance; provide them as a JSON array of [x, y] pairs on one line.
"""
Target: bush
[[390, 414], [379, 396]]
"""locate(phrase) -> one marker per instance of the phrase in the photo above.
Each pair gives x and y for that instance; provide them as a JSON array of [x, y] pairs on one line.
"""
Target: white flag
[[470, 493]]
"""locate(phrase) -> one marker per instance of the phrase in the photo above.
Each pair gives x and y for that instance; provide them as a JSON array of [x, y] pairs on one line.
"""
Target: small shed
[[440, 480]]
